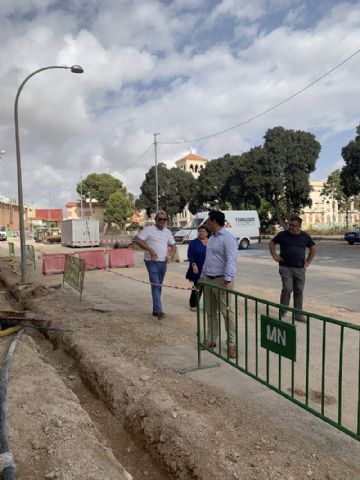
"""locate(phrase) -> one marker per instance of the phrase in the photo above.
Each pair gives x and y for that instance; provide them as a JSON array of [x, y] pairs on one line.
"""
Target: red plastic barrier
[[53, 263], [94, 259], [121, 257]]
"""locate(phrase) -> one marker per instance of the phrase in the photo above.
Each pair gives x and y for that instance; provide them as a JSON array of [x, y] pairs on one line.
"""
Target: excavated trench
[[129, 450]]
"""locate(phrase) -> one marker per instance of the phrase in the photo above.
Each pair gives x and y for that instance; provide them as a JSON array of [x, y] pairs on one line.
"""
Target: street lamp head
[[77, 69], [2, 152]]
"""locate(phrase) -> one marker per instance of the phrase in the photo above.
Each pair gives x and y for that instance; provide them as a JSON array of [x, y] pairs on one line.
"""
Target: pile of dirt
[[193, 430]]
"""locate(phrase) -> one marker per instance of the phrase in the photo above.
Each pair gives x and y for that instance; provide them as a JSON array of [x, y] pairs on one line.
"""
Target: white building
[[193, 164], [324, 212]]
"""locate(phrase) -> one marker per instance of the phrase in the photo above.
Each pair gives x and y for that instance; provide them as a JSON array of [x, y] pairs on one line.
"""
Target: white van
[[243, 224]]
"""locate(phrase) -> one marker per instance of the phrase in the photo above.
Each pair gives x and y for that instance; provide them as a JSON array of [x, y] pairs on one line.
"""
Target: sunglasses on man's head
[[164, 219]]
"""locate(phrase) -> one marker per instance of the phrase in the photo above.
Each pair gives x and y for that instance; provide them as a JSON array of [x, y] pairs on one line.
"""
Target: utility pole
[[156, 173], [91, 212], [49, 212], [81, 196]]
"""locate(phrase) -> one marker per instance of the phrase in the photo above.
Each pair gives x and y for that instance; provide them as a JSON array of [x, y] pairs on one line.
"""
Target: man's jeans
[[293, 280], [157, 272]]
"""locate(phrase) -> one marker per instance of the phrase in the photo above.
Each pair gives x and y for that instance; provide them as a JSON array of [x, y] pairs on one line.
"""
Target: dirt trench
[[59, 427], [89, 397]]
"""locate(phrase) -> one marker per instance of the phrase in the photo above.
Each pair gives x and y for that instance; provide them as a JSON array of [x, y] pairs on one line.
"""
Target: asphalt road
[[334, 276]]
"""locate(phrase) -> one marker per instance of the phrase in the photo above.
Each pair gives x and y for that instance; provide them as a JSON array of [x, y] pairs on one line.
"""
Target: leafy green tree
[[350, 174], [175, 186], [266, 216], [210, 185], [243, 187], [289, 158], [117, 209], [99, 186], [334, 189], [274, 178]]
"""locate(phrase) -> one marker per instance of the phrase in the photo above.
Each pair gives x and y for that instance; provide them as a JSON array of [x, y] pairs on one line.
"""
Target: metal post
[[49, 214], [81, 198], [156, 173], [74, 69]]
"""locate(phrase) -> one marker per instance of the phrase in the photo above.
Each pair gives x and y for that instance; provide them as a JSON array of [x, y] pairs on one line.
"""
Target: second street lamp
[[74, 69]]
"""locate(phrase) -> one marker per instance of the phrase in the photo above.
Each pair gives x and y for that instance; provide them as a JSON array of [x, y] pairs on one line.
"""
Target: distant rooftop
[[192, 156]]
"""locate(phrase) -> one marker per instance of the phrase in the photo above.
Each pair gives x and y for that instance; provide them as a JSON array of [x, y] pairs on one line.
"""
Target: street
[[333, 278]]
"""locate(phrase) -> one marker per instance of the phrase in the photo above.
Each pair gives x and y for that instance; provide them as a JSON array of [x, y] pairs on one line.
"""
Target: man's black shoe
[[160, 315]]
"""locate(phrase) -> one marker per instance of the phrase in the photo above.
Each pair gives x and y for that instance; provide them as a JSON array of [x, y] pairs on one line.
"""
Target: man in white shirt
[[159, 245]]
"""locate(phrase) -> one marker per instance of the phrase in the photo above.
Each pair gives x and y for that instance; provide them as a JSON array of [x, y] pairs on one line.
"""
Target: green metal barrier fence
[[30, 255], [11, 246], [314, 364]]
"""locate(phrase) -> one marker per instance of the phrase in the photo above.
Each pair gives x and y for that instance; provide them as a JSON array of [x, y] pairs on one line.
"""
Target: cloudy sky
[[187, 69]]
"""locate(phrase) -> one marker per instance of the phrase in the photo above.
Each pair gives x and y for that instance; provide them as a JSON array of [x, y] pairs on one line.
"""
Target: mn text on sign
[[278, 337]]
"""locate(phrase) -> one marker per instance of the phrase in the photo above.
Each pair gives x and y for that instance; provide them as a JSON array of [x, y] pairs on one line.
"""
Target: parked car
[[352, 237]]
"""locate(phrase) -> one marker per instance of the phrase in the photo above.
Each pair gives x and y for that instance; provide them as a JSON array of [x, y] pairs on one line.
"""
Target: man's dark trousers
[[293, 280]]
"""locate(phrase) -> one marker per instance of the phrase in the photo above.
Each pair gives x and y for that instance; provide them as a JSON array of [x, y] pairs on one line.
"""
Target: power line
[[245, 122], [138, 159]]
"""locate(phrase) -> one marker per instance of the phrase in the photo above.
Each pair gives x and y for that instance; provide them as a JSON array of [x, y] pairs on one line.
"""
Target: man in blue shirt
[[293, 262], [219, 270]]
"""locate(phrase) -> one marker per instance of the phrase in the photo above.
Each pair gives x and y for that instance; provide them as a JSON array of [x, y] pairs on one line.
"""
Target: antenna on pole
[[156, 173], [81, 196]]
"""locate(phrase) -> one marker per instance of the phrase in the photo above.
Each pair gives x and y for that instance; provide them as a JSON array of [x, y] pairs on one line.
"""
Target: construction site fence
[[314, 363]]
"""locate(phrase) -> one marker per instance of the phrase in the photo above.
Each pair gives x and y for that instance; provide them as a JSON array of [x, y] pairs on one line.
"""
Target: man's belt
[[212, 277]]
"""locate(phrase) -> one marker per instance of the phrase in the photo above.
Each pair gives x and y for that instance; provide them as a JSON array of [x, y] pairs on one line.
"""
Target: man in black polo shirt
[[293, 261]]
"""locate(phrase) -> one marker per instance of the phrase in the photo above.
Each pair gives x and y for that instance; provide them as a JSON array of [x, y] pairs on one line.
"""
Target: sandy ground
[[96, 398]]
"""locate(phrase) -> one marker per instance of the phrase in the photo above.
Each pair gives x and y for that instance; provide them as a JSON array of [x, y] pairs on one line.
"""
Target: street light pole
[[156, 173], [74, 69]]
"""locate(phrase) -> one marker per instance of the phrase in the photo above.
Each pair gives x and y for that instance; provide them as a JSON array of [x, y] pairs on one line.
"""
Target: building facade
[[86, 208], [325, 213], [194, 164]]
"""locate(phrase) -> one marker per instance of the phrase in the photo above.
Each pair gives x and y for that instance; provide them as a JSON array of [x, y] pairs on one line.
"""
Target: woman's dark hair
[[203, 227]]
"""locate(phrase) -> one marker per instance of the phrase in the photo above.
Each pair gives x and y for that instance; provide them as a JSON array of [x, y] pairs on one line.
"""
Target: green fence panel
[[74, 272], [30, 255], [11, 248], [314, 364]]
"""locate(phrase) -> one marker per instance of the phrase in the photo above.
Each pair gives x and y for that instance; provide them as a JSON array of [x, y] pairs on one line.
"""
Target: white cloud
[[240, 9], [105, 68], [156, 67]]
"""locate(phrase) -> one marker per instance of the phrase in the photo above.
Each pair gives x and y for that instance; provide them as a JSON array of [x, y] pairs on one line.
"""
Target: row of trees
[[273, 178], [110, 193], [344, 185]]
